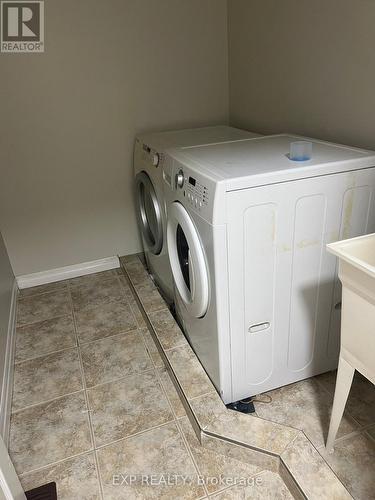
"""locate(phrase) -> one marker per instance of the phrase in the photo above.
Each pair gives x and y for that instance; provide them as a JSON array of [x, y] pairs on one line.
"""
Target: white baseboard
[[67, 272], [7, 388]]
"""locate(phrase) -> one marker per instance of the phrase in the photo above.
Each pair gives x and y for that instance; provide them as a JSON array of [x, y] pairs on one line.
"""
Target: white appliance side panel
[[357, 218], [280, 272], [259, 232], [308, 242], [253, 230]]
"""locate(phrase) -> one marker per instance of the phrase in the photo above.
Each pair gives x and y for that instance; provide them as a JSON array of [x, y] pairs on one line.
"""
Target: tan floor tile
[[327, 380], [137, 272], [91, 279], [42, 307], [137, 313], [189, 372], [305, 406], [266, 486], [97, 293], [214, 467], [46, 377], [311, 472], [152, 456], [125, 284], [76, 478], [129, 258], [49, 432], [150, 297], [103, 321], [214, 417], [49, 287], [114, 357], [240, 453], [45, 337], [361, 400], [127, 406], [171, 392], [353, 460], [167, 330], [371, 431], [152, 349]]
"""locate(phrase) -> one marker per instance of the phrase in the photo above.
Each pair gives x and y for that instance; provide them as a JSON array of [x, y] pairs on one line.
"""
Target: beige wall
[[69, 116], [305, 66]]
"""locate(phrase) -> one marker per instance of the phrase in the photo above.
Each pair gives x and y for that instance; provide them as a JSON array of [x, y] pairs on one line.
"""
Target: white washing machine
[[150, 205], [256, 292]]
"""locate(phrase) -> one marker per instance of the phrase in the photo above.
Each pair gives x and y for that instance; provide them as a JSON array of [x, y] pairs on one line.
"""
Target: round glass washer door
[[149, 213], [187, 261]]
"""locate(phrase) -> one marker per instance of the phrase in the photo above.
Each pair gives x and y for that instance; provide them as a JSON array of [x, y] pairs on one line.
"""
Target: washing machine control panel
[[196, 193], [190, 187]]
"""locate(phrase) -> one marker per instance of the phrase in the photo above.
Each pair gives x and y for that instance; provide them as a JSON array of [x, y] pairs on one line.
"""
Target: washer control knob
[[155, 159], [180, 179]]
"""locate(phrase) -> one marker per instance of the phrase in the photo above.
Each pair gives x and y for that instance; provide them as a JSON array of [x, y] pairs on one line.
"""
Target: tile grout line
[[31, 471], [177, 347], [175, 420], [318, 452], [57, 284], [136, 434], [345, 410], [47, 353], [98, 470], [217, 492], [37, 294], [118, 379], [125, 332], [57, 462], [370, 436], [87, 403], [24, 325], [127, 298], [89, 419], [114, 380], [158, 375], [356, 433], [93, 439], [189, 451], [127, 277], [15, 412]]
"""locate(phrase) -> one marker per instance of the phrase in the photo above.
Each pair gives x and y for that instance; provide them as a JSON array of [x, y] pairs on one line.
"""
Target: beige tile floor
[[306, 405], [95, 410]]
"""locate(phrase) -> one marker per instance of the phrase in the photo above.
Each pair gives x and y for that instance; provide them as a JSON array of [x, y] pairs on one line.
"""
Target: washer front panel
[[149, 213]]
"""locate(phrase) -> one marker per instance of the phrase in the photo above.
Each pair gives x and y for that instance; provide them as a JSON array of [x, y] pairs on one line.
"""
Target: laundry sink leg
[[344, 381]]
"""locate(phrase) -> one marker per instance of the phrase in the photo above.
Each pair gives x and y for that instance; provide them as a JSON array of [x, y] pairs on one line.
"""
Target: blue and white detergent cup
[[300, 151]]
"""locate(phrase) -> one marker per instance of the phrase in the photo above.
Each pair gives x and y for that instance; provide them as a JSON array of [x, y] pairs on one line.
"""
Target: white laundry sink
[[357, 352]]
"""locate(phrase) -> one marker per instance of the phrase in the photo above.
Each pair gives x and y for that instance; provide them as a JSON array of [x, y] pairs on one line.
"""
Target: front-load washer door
[[149, 213], [187, 261]]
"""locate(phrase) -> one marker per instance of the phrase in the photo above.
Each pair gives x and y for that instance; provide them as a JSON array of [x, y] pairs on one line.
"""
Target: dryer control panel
[[151, 156]]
